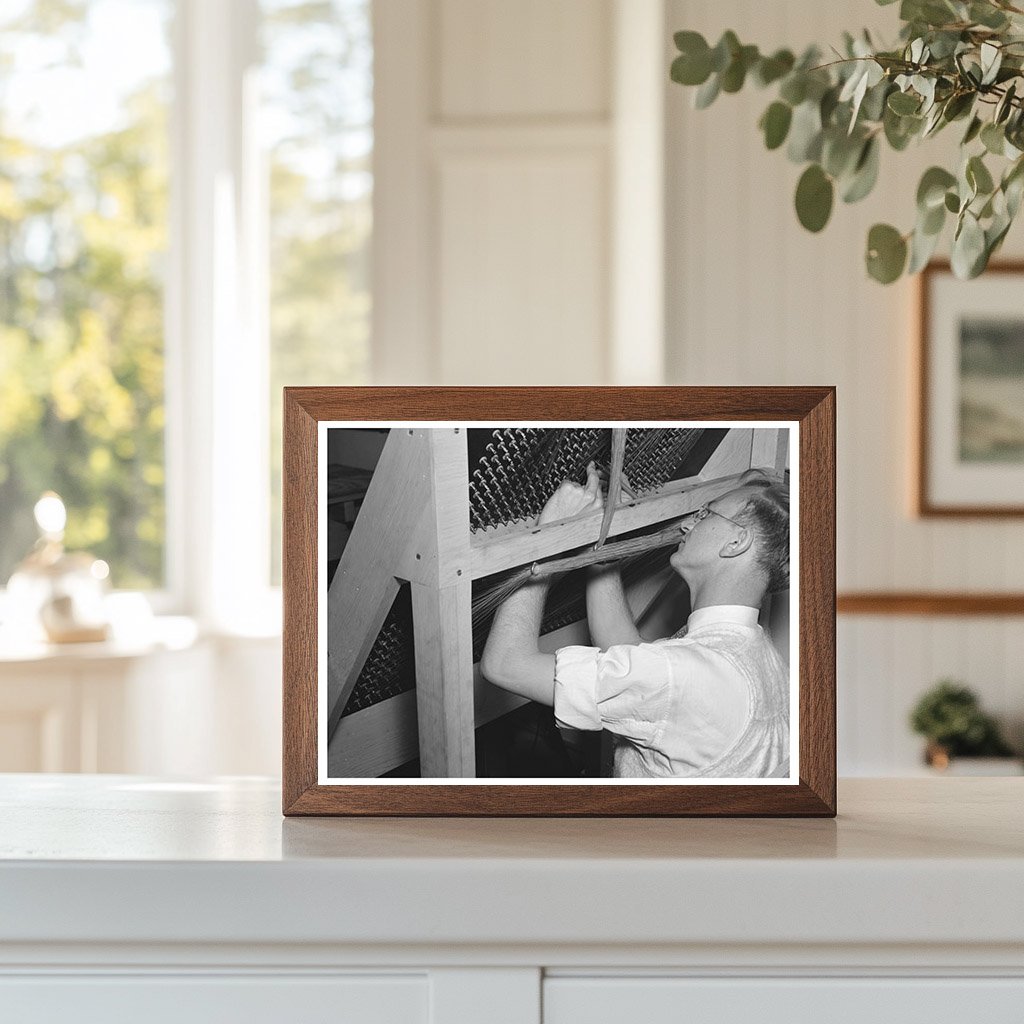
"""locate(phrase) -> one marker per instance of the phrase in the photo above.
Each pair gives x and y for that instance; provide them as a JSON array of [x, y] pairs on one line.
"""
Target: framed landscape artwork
[[970, 450], [559, 601]]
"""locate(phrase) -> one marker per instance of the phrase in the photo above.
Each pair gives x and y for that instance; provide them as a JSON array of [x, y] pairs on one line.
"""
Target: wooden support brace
[[732, 456], [770, 451], [443, 629]]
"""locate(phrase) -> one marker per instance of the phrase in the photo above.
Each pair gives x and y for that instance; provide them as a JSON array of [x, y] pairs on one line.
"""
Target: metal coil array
[[390, 668], [514, 472], [519, 468]]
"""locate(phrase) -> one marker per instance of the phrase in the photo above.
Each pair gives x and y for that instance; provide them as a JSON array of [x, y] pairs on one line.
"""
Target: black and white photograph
[[591, 603]]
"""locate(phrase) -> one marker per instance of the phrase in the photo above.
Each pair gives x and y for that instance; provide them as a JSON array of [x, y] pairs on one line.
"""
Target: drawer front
[[569, 1000], [202, 999]]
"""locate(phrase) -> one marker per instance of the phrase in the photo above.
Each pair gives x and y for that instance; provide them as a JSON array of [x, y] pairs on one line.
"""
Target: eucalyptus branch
[[833, 117]]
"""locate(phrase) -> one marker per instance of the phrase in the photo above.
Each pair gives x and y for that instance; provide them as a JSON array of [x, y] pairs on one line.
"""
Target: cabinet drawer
[[569, 1000], [202, 999]]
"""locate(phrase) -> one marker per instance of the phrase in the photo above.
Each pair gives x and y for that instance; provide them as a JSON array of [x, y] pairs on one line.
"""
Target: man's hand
[[571, 499]]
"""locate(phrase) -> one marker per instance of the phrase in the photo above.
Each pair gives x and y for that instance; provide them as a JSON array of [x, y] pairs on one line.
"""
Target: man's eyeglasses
[[703, 512]]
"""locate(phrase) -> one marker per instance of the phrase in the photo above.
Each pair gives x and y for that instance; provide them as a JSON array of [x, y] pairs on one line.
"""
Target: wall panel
[[519, 285]]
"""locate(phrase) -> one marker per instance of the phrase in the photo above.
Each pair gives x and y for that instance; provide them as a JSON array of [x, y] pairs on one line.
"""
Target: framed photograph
[[970, 450], [559, 601]]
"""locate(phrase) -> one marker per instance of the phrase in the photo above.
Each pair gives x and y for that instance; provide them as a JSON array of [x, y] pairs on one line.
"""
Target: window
[[317, 117], [83, 236], [185, 220]]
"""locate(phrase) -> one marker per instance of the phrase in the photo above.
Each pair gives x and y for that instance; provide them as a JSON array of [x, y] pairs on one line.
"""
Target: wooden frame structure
[[415, 526]]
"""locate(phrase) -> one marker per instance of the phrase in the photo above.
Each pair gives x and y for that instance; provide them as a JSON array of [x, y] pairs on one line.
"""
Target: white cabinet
[[133, 898], [824, 1000], [199, 999]]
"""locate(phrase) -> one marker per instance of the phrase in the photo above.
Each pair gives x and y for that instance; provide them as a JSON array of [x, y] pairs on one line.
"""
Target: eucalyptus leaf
[[1005, 104], [952, 202], [978, 176], [991, 61], [973, 129], [958, 105], [707, 93], [903, 103], [775, 124], [794, 88], [922, 248], [814, 195], [987, 15], [931, 190], [873, 106], [968, 247], [932, 221], [735, 74], [771, 69], [725, 50], [993, 138], [865, 174], [886, 253], [840, 152], [805, 133]]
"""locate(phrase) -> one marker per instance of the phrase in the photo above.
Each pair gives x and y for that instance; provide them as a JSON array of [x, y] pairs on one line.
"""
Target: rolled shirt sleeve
[[626, 689]]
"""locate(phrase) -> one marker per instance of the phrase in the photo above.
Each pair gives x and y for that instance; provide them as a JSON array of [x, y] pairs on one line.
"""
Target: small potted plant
[[950, 717]]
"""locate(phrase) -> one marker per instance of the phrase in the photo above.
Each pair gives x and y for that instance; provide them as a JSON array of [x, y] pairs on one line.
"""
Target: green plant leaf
[[991, 60], [814, 194], [904, 103], [886, 254], [922, 247], [973, 129], [968, 255], [693, 65], [1004, 106], [724, 51], [958, 106], [794, 89], [735, 74], [775, 124], [993, 138], [987, 15], [900, 130], [952, 202], [931, 191], [707, 93], [771, 69], [865, 173], [978, 176], [839, 151], [805, 133]]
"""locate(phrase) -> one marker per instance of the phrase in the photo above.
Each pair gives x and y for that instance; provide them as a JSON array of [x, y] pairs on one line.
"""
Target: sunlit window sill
[[159, 633]]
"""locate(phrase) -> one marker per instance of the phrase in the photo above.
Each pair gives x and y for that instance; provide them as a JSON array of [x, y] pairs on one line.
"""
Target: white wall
[[754, 299]]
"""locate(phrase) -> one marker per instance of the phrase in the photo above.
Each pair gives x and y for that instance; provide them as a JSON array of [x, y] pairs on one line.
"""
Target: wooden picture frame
[[956, 474], [805, 415]]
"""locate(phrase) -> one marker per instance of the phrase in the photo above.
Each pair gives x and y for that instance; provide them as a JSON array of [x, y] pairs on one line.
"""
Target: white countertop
[[123, 859]]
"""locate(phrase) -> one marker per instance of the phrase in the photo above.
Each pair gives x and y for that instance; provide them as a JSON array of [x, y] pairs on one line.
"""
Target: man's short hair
[[767, 513]]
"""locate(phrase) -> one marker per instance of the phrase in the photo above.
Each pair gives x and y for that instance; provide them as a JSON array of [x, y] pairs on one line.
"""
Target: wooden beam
[[496, 551], [732, 456], [443, 617], [770, 450], [929, 603], [443, 629]]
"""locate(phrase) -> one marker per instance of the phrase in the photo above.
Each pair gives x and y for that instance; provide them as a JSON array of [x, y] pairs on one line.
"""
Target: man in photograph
[[712, 701]]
